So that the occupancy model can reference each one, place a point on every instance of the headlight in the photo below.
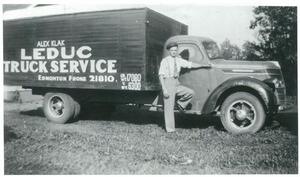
(278, 83)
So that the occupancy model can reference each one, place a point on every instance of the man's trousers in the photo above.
(174, 90)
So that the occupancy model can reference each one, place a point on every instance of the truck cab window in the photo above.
(190, 52)
(212, 49)
(185, 54)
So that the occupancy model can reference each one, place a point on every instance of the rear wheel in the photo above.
(59, 107)
(242, 112)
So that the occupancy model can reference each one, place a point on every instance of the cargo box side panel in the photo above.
(159, 29)
(99, 50)
(20, 39)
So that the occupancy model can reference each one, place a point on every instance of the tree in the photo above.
(250, 51)
(230, 51)
(277, 36)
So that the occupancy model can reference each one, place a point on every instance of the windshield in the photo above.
(212, 49)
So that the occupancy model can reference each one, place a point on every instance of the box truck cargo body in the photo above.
(109, 50)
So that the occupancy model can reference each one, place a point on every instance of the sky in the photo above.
(215, 22)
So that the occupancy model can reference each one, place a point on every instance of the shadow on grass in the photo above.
(35, 112)
(9, 134)
(288, 120)
(134, 115)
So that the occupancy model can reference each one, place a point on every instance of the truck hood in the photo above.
(245, 65)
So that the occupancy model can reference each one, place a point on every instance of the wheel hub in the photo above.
(59, 105)
(56, 106)
(241, 114)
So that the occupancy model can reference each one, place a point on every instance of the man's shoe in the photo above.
(170, 131)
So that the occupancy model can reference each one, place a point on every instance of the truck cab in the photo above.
(242, 93)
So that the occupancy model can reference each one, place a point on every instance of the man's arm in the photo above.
(162, 82)
(196, 65)
(162, 73)
(189, 64)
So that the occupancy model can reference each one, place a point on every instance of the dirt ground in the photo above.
(133, 141)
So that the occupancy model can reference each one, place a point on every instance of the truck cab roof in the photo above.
(183, 38)
(198, 40)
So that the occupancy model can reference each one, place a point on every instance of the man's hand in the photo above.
(166, 94)
(206, 66)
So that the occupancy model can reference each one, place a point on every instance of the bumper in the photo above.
(284, 103)
(284, 107)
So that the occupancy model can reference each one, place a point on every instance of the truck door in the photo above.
(196, 79)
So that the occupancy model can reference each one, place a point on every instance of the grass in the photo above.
(133, 141)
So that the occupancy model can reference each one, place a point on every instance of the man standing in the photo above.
(169, 70)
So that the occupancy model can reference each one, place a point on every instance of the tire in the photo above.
(59, 107)
(242, 112)
(76, 110)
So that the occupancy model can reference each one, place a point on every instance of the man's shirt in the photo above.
(167, 66)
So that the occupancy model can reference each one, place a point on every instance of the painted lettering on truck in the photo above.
(53, 57)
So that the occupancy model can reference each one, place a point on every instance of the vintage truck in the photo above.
(113, 57)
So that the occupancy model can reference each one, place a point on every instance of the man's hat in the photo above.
(172, 44)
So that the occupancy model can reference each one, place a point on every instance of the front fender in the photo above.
(254, 86)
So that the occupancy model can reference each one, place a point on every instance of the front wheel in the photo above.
(242, 112)
(59, 107)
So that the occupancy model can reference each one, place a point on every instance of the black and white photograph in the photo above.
(140, 88)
